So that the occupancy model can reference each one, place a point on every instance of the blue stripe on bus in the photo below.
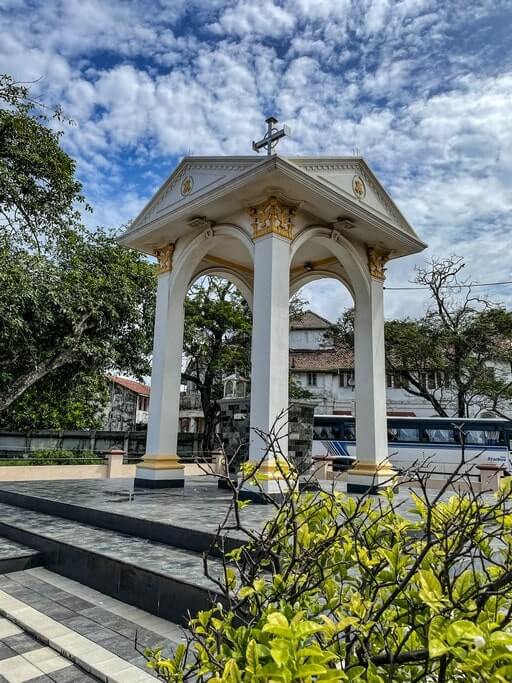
(421, 445)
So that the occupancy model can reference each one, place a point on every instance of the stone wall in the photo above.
(121, 414)
(14, 444)
(235, 429)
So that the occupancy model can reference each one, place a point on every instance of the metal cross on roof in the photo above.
(272, 136)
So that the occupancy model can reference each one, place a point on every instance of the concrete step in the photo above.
(184, 518)
(79, 626)
(15, 557)
(166, 581)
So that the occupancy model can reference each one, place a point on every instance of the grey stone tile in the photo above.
(72, 674)
(6, 651)
(21, 643)
(122, 647)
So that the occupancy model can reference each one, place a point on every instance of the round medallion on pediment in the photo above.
(187, 184)
(358, 187)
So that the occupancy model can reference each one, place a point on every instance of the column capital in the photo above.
(164, 255)
(272, 216)
(376, 262)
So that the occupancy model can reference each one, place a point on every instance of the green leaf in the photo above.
(280, 651)
(462, 630)
(307, 628)
(436, 648)
(277, 624)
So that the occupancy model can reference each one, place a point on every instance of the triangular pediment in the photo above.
(189, 181)
(353, 177)
(336, 190)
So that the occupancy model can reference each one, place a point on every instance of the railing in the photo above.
(22, 457)
(190, 402)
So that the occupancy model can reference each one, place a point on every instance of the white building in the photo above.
(327, 372)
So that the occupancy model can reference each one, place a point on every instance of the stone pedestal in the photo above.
(235, 434)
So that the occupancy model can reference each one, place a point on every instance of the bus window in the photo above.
(484, 437)
(327, 432)
(440, 435)
(350, 431)
(408, 434)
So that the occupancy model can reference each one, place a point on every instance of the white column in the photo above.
(270, 341)
(372, 469)
(160, 467)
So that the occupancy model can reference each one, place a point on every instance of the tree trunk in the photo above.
(461, 404)
(21, 384)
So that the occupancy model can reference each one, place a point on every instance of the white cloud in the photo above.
(428, 108)
(253, 17)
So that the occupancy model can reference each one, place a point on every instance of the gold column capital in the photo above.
(376, 262)
(271, 216)
(164, 255)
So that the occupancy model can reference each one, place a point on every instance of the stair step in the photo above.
(166, 581)
(64, 646)
(86, 613)
(15, 557)
(184, 518)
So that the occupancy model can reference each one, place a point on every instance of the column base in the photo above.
(273, 486)
(369, 477)
(160, 472)
(260, 498)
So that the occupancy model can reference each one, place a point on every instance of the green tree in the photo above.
(39, 194)
(458, 356)
(216, 343)
(61, 400)
(88, 308)
(72, 302)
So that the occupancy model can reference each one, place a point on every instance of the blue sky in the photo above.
(422, 89)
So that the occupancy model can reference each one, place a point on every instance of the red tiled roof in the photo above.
(326, 360)
(131, 384)
(310, 321)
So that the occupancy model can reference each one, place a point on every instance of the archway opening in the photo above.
(322, 346)
(216, 347)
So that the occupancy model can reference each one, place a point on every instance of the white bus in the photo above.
(432, 442)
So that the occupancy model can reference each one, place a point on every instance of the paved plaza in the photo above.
(88, 566)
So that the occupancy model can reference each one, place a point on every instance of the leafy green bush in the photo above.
(54, 456)
(370, 589)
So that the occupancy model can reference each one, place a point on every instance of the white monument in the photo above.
(270, 225)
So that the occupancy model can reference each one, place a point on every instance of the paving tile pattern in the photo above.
(98, 624)
(24, 659)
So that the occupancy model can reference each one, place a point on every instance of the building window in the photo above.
(433, 379)
(143, 403)
(347, 378)
(311, 379)
(396, 380)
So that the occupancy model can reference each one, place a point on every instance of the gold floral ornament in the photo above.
(376, 263)
(186, 185)
(358, 187)
(164, 256)
(272, 217)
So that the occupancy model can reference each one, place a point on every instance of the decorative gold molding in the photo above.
(164, 256)
(161, 462)
(233, 265)
(272, 217)
(371, 469)
(376, 262)
(314, 265)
